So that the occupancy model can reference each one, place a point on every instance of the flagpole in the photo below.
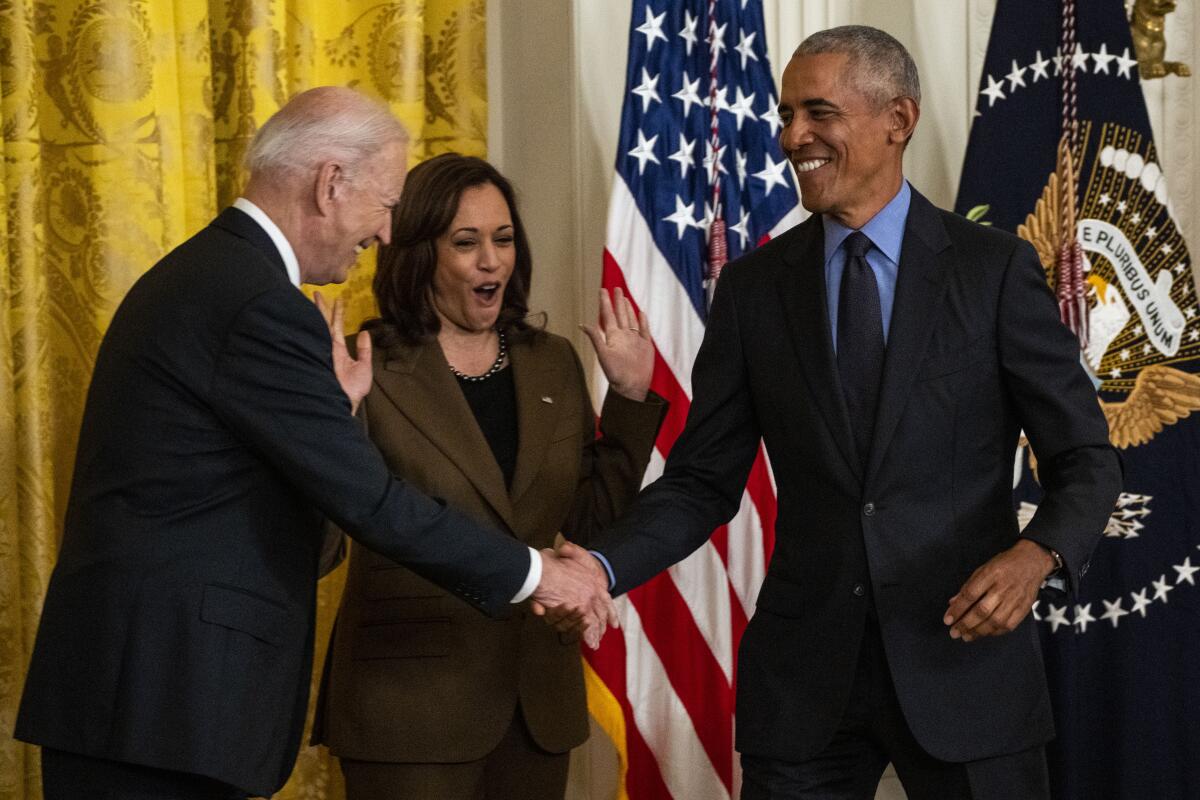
(717, 250)
(1072, 301)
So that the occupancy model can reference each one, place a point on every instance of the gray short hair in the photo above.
(328, 123)
(881, 67)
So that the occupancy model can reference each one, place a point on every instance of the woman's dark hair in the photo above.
(404, 271)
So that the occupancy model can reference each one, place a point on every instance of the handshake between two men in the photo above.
(573, 593)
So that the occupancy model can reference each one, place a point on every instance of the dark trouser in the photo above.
(70, 776)
(874, 732)
(516, 770)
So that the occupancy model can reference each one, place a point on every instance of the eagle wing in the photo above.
(1043, 228)
(1161, 396)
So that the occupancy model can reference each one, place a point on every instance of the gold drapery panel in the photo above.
(123, 124)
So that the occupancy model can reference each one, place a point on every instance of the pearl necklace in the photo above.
(492, 370)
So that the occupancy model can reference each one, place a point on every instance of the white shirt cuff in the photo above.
(532, 579)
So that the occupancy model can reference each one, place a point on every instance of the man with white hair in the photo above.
(174, 653)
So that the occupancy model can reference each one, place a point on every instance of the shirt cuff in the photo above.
(1056, 582)
(532, 579)
(612, 579)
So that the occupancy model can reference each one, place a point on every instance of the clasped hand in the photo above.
(573, 593)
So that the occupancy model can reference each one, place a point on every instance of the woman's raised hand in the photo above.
(623, 345)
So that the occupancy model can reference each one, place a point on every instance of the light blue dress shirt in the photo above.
(886, 232)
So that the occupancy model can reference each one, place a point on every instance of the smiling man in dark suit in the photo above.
(175, 646)
(889, 354)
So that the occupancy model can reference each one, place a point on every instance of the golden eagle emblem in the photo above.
(1122, 353)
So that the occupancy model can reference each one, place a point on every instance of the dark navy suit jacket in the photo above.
(976, 353)
(178, 626)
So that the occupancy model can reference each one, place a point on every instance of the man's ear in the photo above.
(904, 113)
(328, 186)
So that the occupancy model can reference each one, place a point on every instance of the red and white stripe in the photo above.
(671, 666)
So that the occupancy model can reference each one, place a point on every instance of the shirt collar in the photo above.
(885, 229)
(281, 243)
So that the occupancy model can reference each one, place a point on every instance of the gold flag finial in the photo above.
(1146, 25)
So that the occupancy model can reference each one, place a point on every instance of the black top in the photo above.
(494, 403)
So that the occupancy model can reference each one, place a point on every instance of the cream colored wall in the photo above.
(556, 72)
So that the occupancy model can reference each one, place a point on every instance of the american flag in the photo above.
(698, 161)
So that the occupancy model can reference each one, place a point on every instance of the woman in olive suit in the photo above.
(423, 697)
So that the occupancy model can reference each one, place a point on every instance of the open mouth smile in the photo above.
(487, 291)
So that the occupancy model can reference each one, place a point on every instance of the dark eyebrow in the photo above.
(476, 230)
(819, 101)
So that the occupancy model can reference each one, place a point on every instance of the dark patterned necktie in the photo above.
(860, 345)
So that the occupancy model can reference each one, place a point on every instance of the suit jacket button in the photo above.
(869, 509)
(859, 590)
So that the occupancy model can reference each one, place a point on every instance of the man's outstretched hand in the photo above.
(573, 593)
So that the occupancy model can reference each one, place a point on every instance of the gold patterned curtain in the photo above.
(124, 123)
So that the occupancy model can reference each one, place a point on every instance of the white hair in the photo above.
(328, 123)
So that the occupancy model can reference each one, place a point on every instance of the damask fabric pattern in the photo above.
(124, 123)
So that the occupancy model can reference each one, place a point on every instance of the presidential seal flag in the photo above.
(1061, 152)
(699, 180)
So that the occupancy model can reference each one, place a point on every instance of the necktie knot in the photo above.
(857, 245)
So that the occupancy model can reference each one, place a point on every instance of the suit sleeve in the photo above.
(705, 475)
(333, 549)
(1056, 404)
(274, 386)
(612, 464)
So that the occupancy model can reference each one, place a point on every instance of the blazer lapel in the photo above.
(540, 403)
(417, 382)
(802, 291)
(920, 285)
